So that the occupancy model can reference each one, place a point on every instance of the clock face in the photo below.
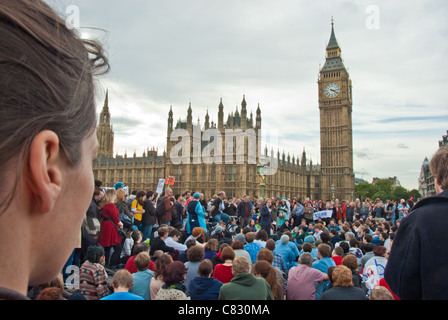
(331, 90)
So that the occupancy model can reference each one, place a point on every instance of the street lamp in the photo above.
(332, 191)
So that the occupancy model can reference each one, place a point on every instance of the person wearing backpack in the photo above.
(164, 206)
(149, 216)
(137, 208)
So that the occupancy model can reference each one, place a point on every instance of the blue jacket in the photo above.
(200, 216)
(202, 288)
(253, 249)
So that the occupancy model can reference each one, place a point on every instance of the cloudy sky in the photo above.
(173, 52)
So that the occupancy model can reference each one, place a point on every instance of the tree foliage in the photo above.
(384, 190)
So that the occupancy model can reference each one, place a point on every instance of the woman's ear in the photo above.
(44, 170)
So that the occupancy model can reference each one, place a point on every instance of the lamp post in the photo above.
(332, 192)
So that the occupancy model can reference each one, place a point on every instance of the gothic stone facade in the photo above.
(294, 176)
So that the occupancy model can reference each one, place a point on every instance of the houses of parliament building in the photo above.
(333, 178)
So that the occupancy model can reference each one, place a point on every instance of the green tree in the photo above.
(365, 190)
(400, 193)
(384, 185)
(414, 194)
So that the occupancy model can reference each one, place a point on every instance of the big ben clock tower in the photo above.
(336, 141)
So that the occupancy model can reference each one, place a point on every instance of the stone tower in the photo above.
(105, 133)
(335, 106)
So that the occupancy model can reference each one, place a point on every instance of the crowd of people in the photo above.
(184, 247)
(159, 247)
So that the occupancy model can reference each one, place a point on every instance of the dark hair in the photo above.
(46, 83)
(94, 254)
(174, 273)
(149, 194)
(205, 268)
(195, 253)
(379, 251)
(237, 245)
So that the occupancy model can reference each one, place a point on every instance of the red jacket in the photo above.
(108, 233)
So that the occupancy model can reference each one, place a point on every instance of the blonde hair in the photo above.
(108, 197)
(342, 277)
(123, 278)
(121, 194)
(240, 265)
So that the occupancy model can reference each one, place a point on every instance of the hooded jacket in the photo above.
(417, 266)
(202, 288)
(245, 286)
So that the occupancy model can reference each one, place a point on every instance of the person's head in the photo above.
(265, 270)
(262, 235)
(140, 247)
(212, 244)
(110, 196)
(150, 195)
(205, 268)
(306, 259)
(140, 196)
(439, 168)
(122, 280)
(227, 253)
(350, 262)
(163, 232)
(51, 293)
(48, 138)
(240, 265)
(161, 263)
(168, 192)
(236, 244)
(270, 244)
(380, 293)
(338, 251)
(174, 273)
(342, 277)
(121, 195)
(95, 254)
(175, 234)
(324, 250)
(266, 255)
(195, 253)
(380, 251)
(198, 233)
(97, 194)
(250, 237)
(141, 261)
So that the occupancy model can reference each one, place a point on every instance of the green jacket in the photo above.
(246, 286)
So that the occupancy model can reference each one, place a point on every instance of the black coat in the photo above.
(149, 217)
(417, 266)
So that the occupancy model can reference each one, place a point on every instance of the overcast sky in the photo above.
(174, 52)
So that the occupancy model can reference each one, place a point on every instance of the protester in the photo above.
(195, 255)
(157, 281)
(142, 278)
(122, 283)
(416, 267)
(343, 288)
(204, 286)
(302, 279)
(244, 285)
(223, 272)
(109, 237)
(266, 271)
(173, 287)
(93, 276)
(149, 216)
